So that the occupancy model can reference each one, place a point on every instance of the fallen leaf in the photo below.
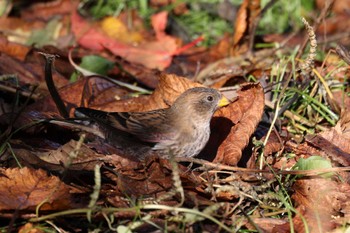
(13, 49)
(153, 54)
(151, 177)
(47, 10)
(343, 126)
(142, 74)
(85, 159)
(26, 188)
(322, 200)
(246, 18)
(244, 114)
(116, 29)
(265, 224)
(341, 99)
(241, 23)
(330, 149)
(335, 142)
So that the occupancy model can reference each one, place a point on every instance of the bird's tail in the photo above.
(96, 115)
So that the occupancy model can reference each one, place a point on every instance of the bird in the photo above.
(182, 130)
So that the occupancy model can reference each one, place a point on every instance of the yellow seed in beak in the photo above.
(223, 102)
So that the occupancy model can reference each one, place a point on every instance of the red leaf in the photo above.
(154, 54)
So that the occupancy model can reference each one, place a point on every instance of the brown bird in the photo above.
(180, 131)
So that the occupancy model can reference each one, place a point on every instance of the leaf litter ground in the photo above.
(247, 177)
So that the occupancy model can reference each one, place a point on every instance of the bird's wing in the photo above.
(149, 126)
(152, 126)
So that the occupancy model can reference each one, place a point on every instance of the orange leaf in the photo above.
(245, 114)
(26, 188)
(241, 23)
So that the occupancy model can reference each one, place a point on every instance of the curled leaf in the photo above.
(243, 115)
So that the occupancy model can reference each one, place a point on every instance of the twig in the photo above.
(217, 166)
(24, 93)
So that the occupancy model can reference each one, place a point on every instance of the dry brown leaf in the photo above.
(322, 200)
(45, 11)
(58, 159)
(273, 144)
(266, 224)
(12, 49)
(247, 17)
(86, 159)
(343, 126)
(151, 179)
(340, 99)
(28, 73)
(148, 178)
(142, 74)
(8, 65)
(93, 92)
(245, 114)
(336, 141)
(329, 148)
(26, 188)
(241, 23)
(98, 91)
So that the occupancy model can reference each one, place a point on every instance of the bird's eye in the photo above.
(210, 98)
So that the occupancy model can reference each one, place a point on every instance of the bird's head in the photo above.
(199, 101)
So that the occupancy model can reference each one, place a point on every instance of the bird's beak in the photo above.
(223, 102)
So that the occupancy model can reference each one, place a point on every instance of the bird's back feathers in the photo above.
(147, 126)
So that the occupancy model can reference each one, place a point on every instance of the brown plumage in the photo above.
(181, 130)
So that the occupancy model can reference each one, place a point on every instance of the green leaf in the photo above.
(46, 35)
(96, 64)
(314, 163)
